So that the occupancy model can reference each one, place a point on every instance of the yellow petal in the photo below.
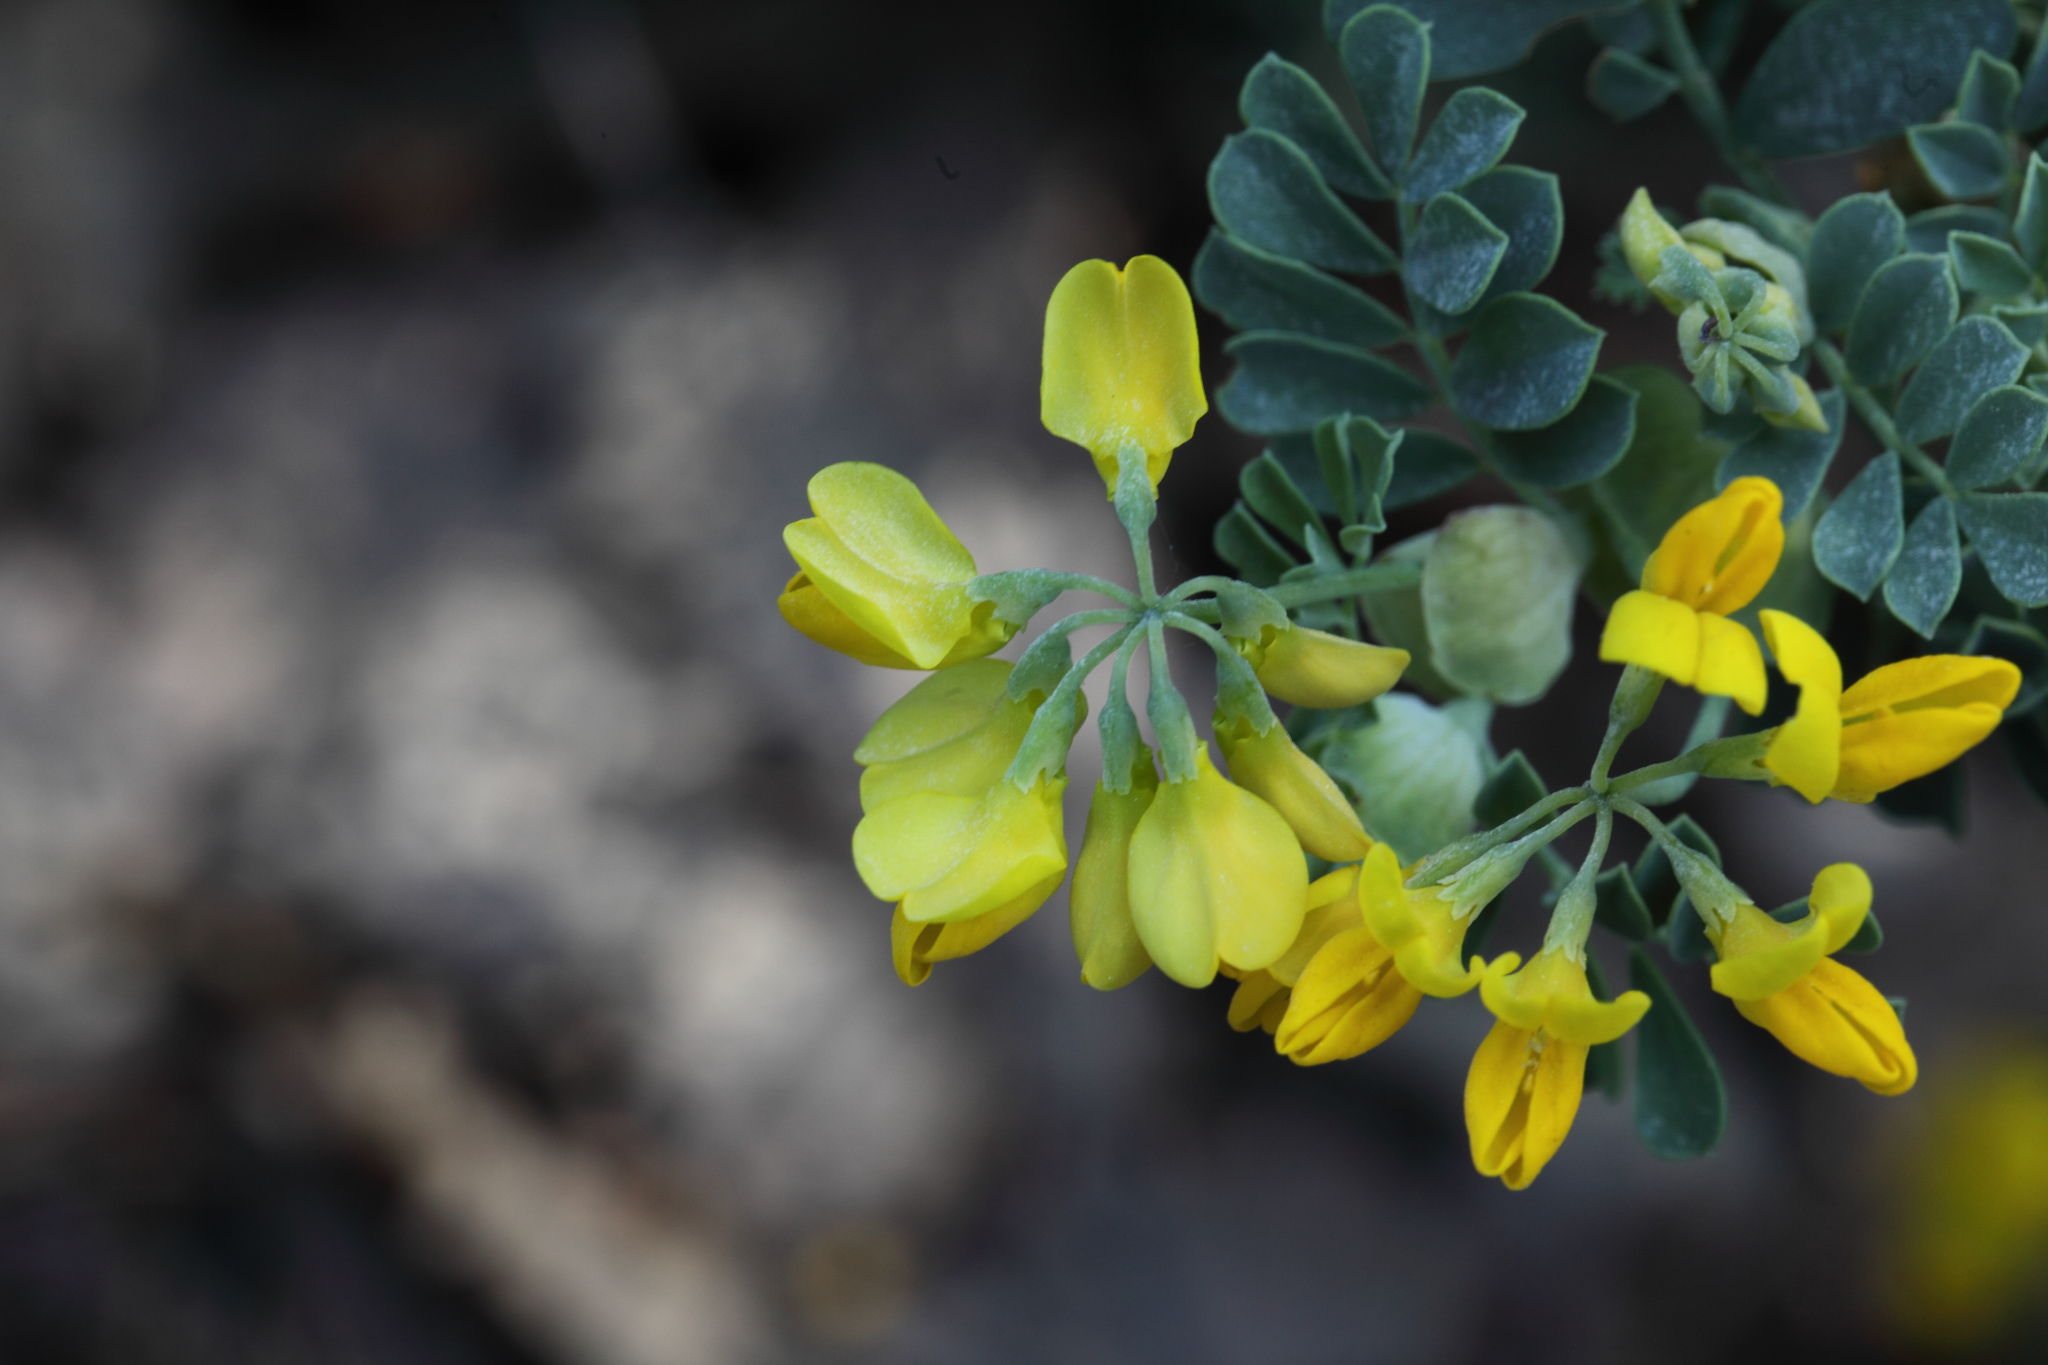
(1760, 957)
(1933, 681)
(1840, 898)
(1731, 665)
(812, 613)
(1099, 905)
(1834, 1019)
(1881, 752)
(955, 732)
(1121, 363)
(1644, 236)
(1315, 668)
(1521, 1096)
(1551, 993)
(1806, 751)
(948, 857)
(1349, 1000)
(1720, 554)
(1271, 767)
(1655, 633)
(1332, 908)
(1215, 876)
(915, 947)
(1807, 416)
(1259, 1001)
(1417, 926)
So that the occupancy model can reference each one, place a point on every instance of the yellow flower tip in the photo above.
(1105, 938)
(914, 947)
(1909, 718)
(1521, 1096)
(1216, 875)
(1348, 1000)
(1834, 1019)
(1700, 650)
(1121, 363)
(1718, 556)
(1259, 1002)
(1271, 767)
(1552, 993)
(882, 577)
(1805, 753)
(1644, 236)
(1807, 416)
(1420, 928)
(947, 857)
(1318, 669)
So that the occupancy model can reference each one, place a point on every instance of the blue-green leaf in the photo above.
(1909, 305)
(2031, 109)
(1512, 787)
(1964, 160)
(1681, 1105)
(1256, 291)
(1453, 255)
(1282, 98)
(1290, 383)
(1990, 89)
(1623, 86)
(1852, 239)
(1428, 464)
(1793, 458)
(1922, 584)
(1268, 491)
(2030, 224)
(1474, 37)
(1265, 190)
(1578, 448)
(2001, 434)
(1931, 230)
(1249, 548)
(1977, 356)
(1619, 907)
(1525, 363)
(1525, 204)
(1986, 265)
(1844, 73)
(1471, 134)
(2010, 534)
(1858, 537)
(1385, 53)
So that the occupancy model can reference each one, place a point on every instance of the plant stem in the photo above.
(1877, 418)
(1450, 858)
(1702, 95)
(1301, 592)
(1572, 923)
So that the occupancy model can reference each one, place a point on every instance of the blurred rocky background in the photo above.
(426, 930)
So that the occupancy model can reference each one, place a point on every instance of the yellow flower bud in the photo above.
(954, 732)
(883, 579)
(1216, 876)
(1644, 237)
(1348, 1000)
(1121, 363)
(1105, 939)
(915, 947)
(1807, 416)
(946, 857)
(1315, 668)
(1271, 767)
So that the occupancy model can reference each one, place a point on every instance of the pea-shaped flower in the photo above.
(1896, 723)
(1105, 938)
(1523, 1090)
(1121, 364)
(1216, 877)
(1783, 978)
(1315, 668)
(1347, 999)
(1423, 928)
(1262, 996)
(1713, 561)
(882, 578)
(1272, 767)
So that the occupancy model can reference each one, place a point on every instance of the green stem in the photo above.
(1168, 710)
(1634, 695)
(1712, 894)
(1451, 857)
(1571, 924)
(1237, 685)
(1118, 724)
(1301, 592)
(1702, 95)
(1877, 418)
(1088, 582)
(1692, 761)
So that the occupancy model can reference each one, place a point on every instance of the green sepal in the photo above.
(1686, 278)
(1265, 190)
(1469, 136)
(1859, 535)
(1988, 266)
(1794, 458)
(1512, 787)
(1976, 356)
(1386, 55)
(1623, 86)
(1681, 1107)
(1855, 237)
(1018, 594)
(2009, 531)
(1908, 306)
(1618, 906)
(1652, 871)
(1289, 383)
(1453, 254)
(2022, 645)
(1257, 291)
(1923, 583)
(1525, 363)
(1577, 448)
(1999, 439)
(1964, 160)
(1282, 98)
(1040, 667)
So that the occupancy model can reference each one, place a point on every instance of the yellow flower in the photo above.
(915, 947)
(1216, 876)
(1424, 929)
(1523, 1090)
(955, 732)
(1121, 365)
(1271, 767)
(1260, 1000)
(945, 857)
(1898, 722)
(1315, 668)
(1099, 904)
(1712, 562)
(1781, 978)
(1348, 998)
(881, 578)
(1644, 237)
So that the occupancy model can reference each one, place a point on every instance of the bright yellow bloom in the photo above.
(946, 857)
(1424, 929)
(1898, 722)
(1348, 998)
(1315, 668)
(1260, 1000)
(1712, 562)
(1523, 1090)
(1121, 363)
(882, 578)
(1099, 903)
(1216, 876)
(955, 732)
(1644, 237)
(1781, 978)
(1271, 767)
